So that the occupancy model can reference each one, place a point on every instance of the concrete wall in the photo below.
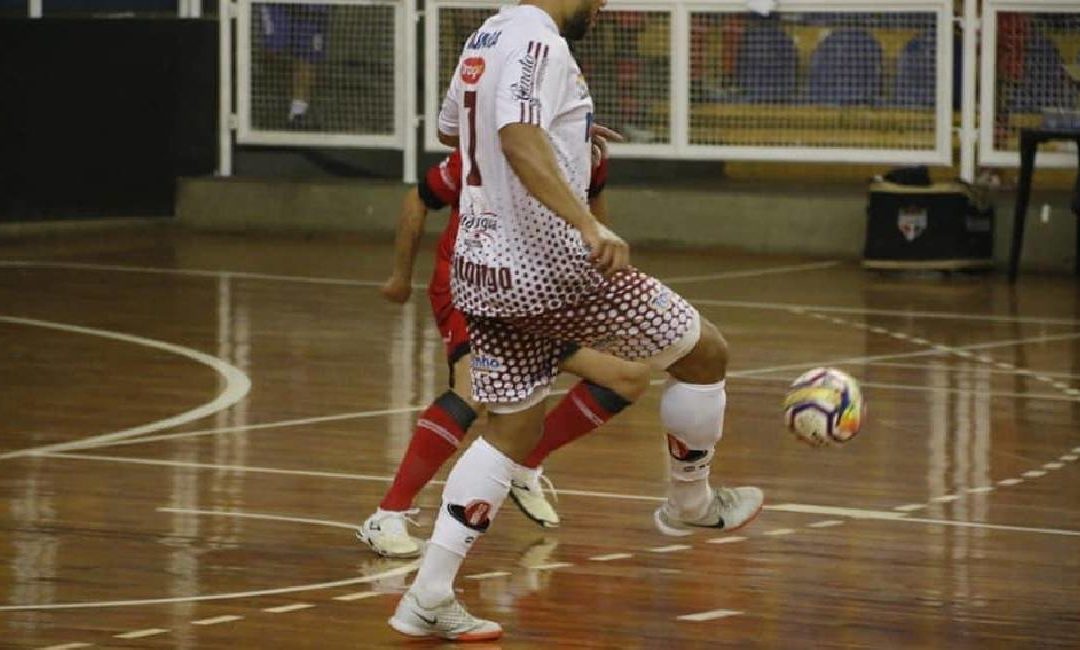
(822, 220)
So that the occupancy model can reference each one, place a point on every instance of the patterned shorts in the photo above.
(633, 316)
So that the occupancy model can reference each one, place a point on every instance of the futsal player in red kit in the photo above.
(441, 428)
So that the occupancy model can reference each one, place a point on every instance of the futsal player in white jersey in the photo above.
(541, 280)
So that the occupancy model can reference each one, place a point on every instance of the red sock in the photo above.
(583, 409)
(438, 433)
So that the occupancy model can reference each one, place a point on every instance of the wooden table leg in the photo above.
(1028, 146)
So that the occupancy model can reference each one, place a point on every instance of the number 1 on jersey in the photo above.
(473, 177)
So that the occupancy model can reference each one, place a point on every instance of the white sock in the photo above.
(693, 415)
(476, 488)
(435, 579)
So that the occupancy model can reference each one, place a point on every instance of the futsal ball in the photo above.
(824, 407)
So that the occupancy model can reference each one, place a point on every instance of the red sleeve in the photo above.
(442, 183)
(599, 178)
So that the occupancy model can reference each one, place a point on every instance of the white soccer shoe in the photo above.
(730, 509)
(446, 620)
(527, 493)
(387, 533)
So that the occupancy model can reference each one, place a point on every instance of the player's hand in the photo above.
(608, 252)
(396, 289)
(609, 135)
(600, 135)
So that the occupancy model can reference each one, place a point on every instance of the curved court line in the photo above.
(751, 373)
(402, 570)
(237, 386)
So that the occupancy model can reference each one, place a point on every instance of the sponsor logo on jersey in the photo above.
(533, 66)
(472, 69)
(490, 278)
(661, 301)
(582, 87)
(486, 364)
(483, 40)
(476, 229)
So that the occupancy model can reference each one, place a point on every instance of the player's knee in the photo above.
(631, 380)
(707, 362)
(461, 408)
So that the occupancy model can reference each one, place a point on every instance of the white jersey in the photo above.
(513, 256)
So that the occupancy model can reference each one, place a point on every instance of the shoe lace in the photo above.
(547, 483)
(401, 517)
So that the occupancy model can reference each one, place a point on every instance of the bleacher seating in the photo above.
(1045, 83)
(767, 65)
(916, 72)
(846, 68)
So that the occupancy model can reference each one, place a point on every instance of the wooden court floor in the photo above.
(191, 426)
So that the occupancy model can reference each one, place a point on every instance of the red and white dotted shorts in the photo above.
(633, 316)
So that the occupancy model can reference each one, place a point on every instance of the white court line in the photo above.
(141, 634)
(803, 508)
(201, 273)
(910, 507)
(828, 523)
(708, 616)
(853, 513)
(237, 385)
(779, 532)
(217, 620)
(1034, 473)
(898, 313)
(285, 609)
(281, 424)
(229, 468)
(1010, 481)
(726, 540)
(749, 273)
(358, 595)
(916, 388)
(256, 515)
(488, 575)
(550, 566)
(945, 498)
(938, 350)
(984, 526)
(611, 556)
(745, 374)
(67, 646)
(375, 577)
(981, 489)
(670, 548)
(244, 275)
(1005, 369)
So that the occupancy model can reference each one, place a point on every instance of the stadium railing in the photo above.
(814, 81)
(1030, 77)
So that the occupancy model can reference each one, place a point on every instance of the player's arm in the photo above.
(598, 180)
(530, 155)
(410, 227)
(598, 206)
(448, 116)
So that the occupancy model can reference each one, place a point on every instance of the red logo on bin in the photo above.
(472, 69)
